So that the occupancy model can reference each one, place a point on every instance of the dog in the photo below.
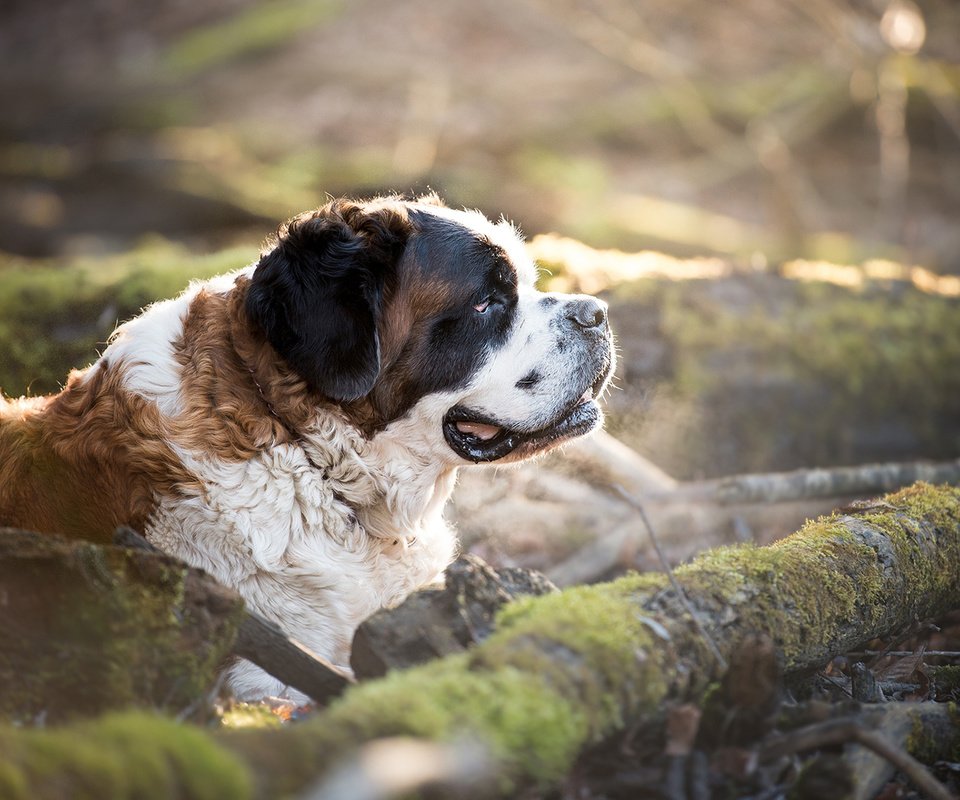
(295, 427)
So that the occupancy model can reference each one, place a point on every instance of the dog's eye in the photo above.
(481, 308)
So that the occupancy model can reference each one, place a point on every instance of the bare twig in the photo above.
(902, 653)
(779, 487)
(681, 595)
(840, 731)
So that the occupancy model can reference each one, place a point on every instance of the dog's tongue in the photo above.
(478, 429)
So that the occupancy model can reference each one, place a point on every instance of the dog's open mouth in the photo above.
(478, 438)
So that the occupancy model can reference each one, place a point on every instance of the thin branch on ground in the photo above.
(681, 595)
(840, 731)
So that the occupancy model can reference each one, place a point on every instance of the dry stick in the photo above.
(841, 731)
(611, 462)
(614, 462)
(802, 484)
(681, 595)
(265, 644)
(901, 653)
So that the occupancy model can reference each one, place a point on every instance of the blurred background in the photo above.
(794, 166)
(756, 129)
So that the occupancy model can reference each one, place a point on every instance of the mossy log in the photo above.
(86, 628)
(441, 620)
(561, 671)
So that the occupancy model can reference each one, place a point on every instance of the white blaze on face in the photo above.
(543, 368)
(541, 371)
(528, 382)
(504, 234)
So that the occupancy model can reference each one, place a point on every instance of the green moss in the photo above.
(827, 575)
(55, 316)
(932, 740)
(587, 642)
(910, 519)
(940, 505)
(566, 669)
(250, 715)
(820, 577)
(874, 345)
(559, 671)
(121, 756)
(563, 670)
(750, 355)
(13, 783)
(529, 727)
(947, 679)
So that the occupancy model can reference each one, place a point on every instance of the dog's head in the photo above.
(396, 309)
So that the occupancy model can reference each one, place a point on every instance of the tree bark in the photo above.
(564, 670)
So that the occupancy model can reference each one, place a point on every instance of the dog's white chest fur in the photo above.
(315, 535)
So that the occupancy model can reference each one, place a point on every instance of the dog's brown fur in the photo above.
(97, 456)
(86, 460)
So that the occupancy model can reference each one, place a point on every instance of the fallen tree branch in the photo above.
(567, 669)
(608, 461)
(884, 732)
(668, 571)
(804, 484)
(86, 628)
(683, 528)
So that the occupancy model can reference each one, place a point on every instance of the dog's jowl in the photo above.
(295, 427)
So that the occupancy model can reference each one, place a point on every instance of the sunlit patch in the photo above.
(855, 277)
(590, 271)
(903, 28)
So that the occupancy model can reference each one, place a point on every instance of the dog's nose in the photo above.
(587, 312)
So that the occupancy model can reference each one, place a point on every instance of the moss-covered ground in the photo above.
(56, 315)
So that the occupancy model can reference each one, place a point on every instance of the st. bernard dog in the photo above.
(295, 427)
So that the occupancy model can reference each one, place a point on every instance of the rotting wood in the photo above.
(442, 619)
(565, 670)
(86, 628)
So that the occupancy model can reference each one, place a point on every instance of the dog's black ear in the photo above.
(317, 294)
